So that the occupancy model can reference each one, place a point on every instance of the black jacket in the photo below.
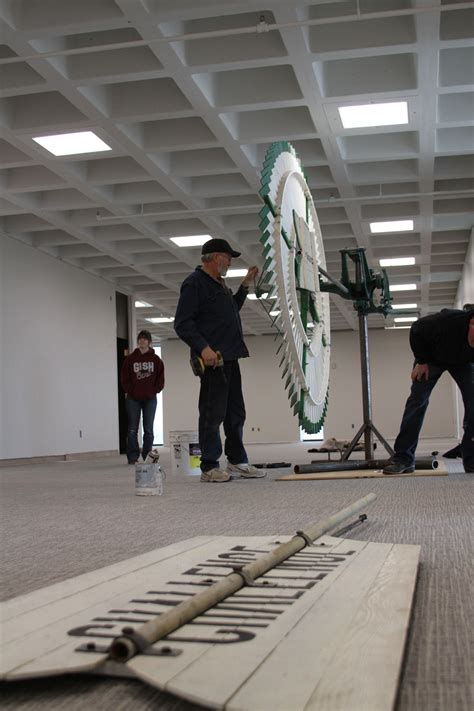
(208, 315)
(441, 338)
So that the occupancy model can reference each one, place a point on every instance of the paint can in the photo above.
(185, 452)
(148, 479)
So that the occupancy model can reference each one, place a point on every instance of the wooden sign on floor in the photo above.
(324, 629)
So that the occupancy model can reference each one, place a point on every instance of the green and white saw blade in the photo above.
(293, 252)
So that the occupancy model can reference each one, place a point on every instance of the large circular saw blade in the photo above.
(293, 252)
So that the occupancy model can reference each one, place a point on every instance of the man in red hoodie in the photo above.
(142, 377)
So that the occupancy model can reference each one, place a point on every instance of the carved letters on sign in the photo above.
(250, 609)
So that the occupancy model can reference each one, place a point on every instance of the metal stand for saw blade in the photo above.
(361, 292)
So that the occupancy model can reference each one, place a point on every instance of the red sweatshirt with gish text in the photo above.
(142, 375)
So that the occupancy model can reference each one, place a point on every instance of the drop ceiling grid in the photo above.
(208, 180)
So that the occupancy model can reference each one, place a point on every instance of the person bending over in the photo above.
(142, 377)
(208, 321)
(440, 342)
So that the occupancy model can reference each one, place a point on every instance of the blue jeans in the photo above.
(134, 409)
(221, 401)
(415, 408)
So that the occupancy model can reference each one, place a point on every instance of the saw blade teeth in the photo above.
(304, 360)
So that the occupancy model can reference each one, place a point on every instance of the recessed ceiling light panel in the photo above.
(161, 319)
(397, 262)
(403, 287)
(391, 226)
(236, 273)
(191, 241)
(364, 115)
(68, 144)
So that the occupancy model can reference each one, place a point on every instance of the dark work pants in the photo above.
(415, 408)
(221, 402)
(134, 409)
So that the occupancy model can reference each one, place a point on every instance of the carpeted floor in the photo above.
(62, 519)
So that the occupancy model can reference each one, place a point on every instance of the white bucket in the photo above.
(148, 480)
(185, 452)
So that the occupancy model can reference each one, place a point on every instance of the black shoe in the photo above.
(398, 468)
(453, 453)
(469, 470)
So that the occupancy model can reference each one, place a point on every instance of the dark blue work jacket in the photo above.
(208, 315)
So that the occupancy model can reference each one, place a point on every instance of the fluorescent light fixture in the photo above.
(142, 304)
(363, 115)
(395, 328)
(236, 273)
(404, 306)
(275, 313)
(397, 262)
(68, 144)
(403, 287)
(191, 241)
(391, 226)
(161, 319)
(405, 319)
(254, 297)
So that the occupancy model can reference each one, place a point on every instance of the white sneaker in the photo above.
(216, 476)
(247, 471)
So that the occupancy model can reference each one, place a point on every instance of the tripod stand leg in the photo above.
(353, 444)
(382, 440)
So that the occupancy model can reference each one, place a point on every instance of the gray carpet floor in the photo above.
(61, 519)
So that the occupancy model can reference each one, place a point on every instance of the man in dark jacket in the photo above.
(142, 377)
(208, 320)
(441, 341)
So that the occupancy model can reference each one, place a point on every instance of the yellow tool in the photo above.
(198, 367)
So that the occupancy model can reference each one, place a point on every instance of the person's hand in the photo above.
(250, 276)
(420, 371)
(209, 356)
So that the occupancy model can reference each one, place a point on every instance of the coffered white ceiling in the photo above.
(190, 93)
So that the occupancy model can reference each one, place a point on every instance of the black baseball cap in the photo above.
(218, 245)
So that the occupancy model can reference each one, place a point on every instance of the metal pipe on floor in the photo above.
(316, 467)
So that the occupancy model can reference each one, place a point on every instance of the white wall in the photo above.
(390, 364)
(58, 364)
(267, 403)
(268, 411)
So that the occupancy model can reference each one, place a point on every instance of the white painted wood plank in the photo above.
(231, 665)
(44, 596)
(302, 658)
(369, 658)
(91, 590)
(30, 637)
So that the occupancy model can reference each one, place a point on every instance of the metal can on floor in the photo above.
(148, 480)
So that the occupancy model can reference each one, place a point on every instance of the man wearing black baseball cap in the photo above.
(208, 320)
